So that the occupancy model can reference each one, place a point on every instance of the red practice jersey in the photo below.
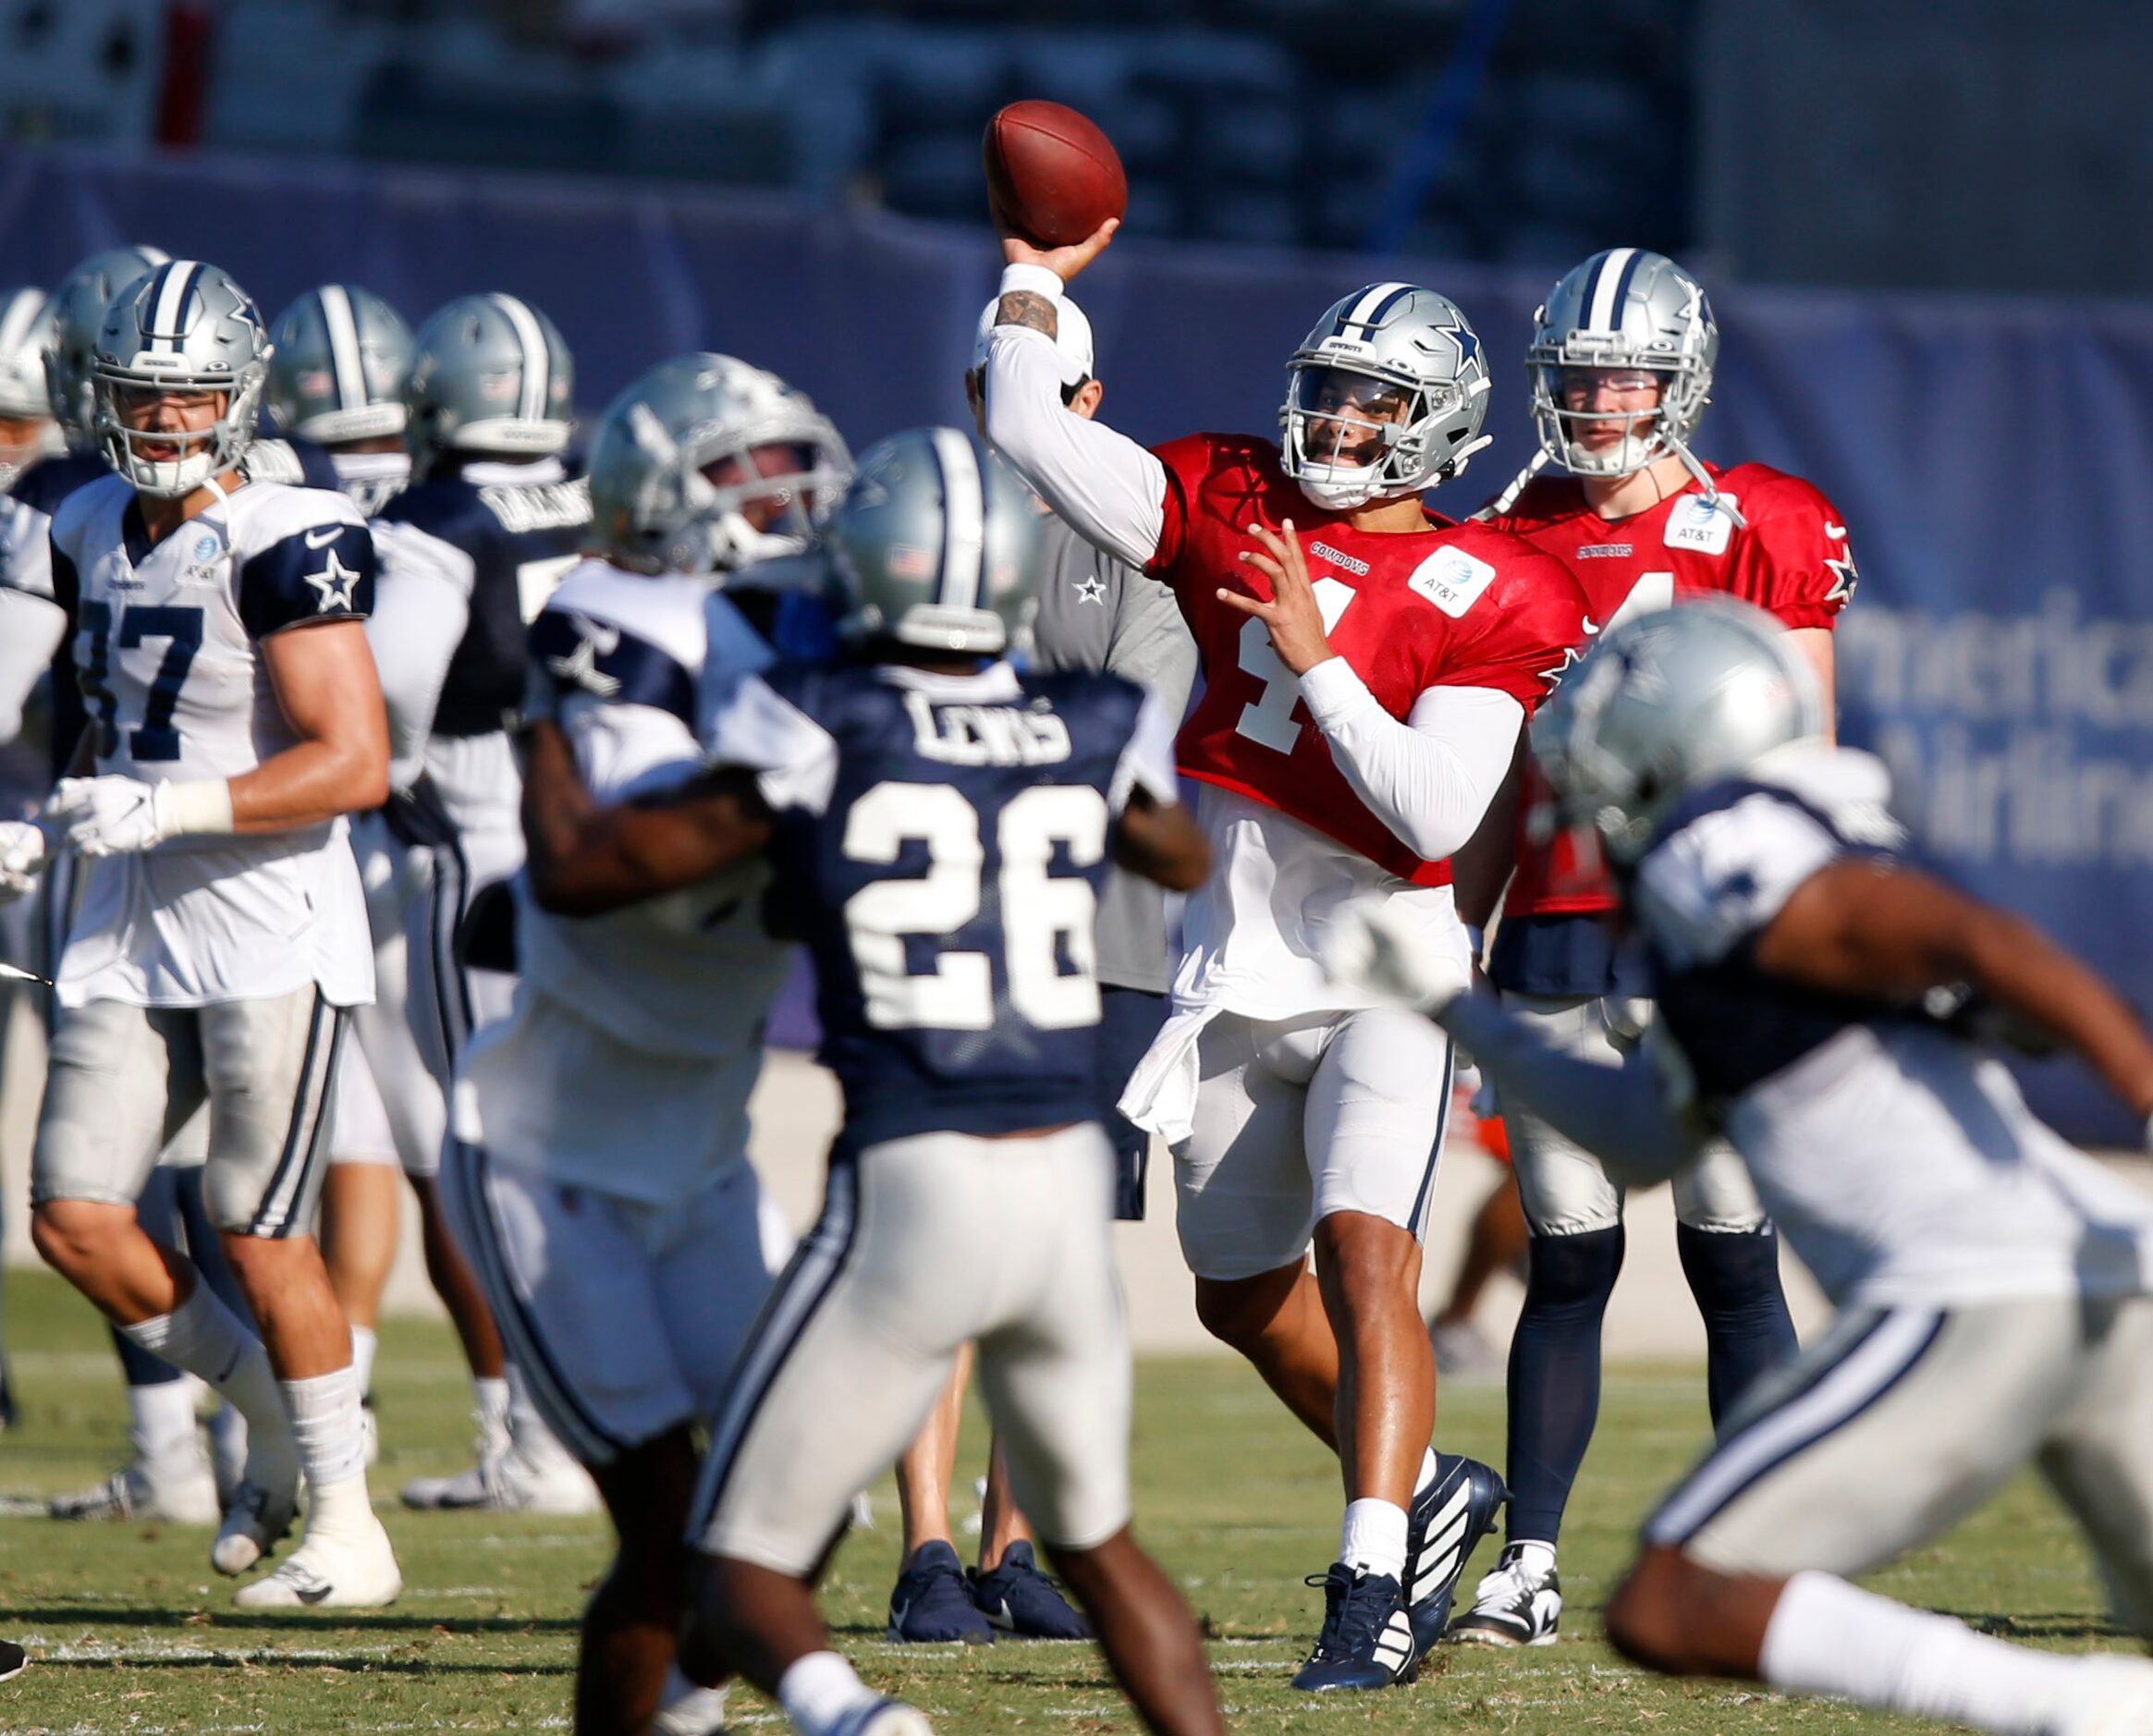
(1789, 558)
(1455, 605)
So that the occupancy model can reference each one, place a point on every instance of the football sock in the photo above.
(324, 1422)
(365, 1341)
(141, 1369)
(687, 1709)
(1373, 1537)
(1554, 1373)
(820, 1688)
(1825, 1636)
(1735, 1278)
(535, 1443)
(491, 1398)
(205, 1338)
(161, 1419)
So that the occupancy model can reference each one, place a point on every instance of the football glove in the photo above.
(22, 853)
(116, 816)
(1395, 954)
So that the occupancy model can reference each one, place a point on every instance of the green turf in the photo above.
(130, 1632)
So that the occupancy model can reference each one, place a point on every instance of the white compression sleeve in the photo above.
(421, 605)
(1620, 1113)
(31, 630)
(1111, 490)
(1429, 778)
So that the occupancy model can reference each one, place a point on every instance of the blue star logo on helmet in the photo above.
(1467, 340)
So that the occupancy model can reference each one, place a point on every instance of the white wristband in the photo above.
(203, 805)
(1023, 280)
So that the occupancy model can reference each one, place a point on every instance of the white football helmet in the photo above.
(26, 326)
(1665, 703)
(489, 375)
(79, 306)
(341, 355)
(1385, 396)
(654, 505)
(185, 327)
(1624, 309)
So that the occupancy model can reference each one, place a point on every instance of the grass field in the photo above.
(130, 1632)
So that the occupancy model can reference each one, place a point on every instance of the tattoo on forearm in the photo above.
(1023, 307)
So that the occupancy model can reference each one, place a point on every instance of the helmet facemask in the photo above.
(202, 452)
(768, 499)
(1657, 431)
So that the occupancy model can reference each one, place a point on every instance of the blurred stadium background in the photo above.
(1922, 224)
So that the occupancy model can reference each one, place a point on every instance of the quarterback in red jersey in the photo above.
(1369, 666)
(1621, 365)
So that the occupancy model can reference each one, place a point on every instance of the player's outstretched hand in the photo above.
(1395, 953)
(111, 815)
(22, 853)
(1065, 262)
(1290, 611)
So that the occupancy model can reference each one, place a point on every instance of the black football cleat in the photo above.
(1450, 1515)
(1367, 1637)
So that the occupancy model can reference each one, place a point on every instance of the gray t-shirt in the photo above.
(1100, 614)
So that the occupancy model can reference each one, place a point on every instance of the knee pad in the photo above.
(1573, 1272)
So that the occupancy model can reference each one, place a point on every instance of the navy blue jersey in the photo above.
(519, 541)
(940, 844)
(1723, 865)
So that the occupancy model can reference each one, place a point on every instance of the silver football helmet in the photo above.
(708, 465)
(186, 328)
(342, 353)
(1666, 702)
(937, 546)
(489, 375)
(1630, 311)
(26, 324)
(1385, 396)
(79, 306)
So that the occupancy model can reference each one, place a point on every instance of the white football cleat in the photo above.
(344, 1569)
(509, 1483)
(257, 1521)
(1519, 1604)
(177, 1489)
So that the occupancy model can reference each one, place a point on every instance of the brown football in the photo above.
(1051, 173)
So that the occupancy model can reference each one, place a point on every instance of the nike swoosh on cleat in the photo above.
(315, 1594)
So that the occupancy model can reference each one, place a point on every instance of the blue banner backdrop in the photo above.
(1991, 456)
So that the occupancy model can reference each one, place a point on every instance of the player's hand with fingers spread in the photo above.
(1396, 953)
(1065, 262)
(1290, 612)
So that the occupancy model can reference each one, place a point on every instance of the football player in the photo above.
(625, 1254)
(1823, 1005)
(44, 379)
(1621, 365)
(1369, 666)
(1100, 614)
(487, 526)
(959, 1010)
(234, 719)
(336, 382)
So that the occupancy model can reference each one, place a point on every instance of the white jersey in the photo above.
(1897, 1156)
(165, 651)
(636, 1036)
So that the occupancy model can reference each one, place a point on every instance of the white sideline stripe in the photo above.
(344, 358)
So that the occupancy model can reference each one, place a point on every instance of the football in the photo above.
(1051, 173)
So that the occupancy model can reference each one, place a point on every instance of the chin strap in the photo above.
(1503, 502)
(1714, 498)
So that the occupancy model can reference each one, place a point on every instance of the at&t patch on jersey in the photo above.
(1698, 523)
(1451, 579)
